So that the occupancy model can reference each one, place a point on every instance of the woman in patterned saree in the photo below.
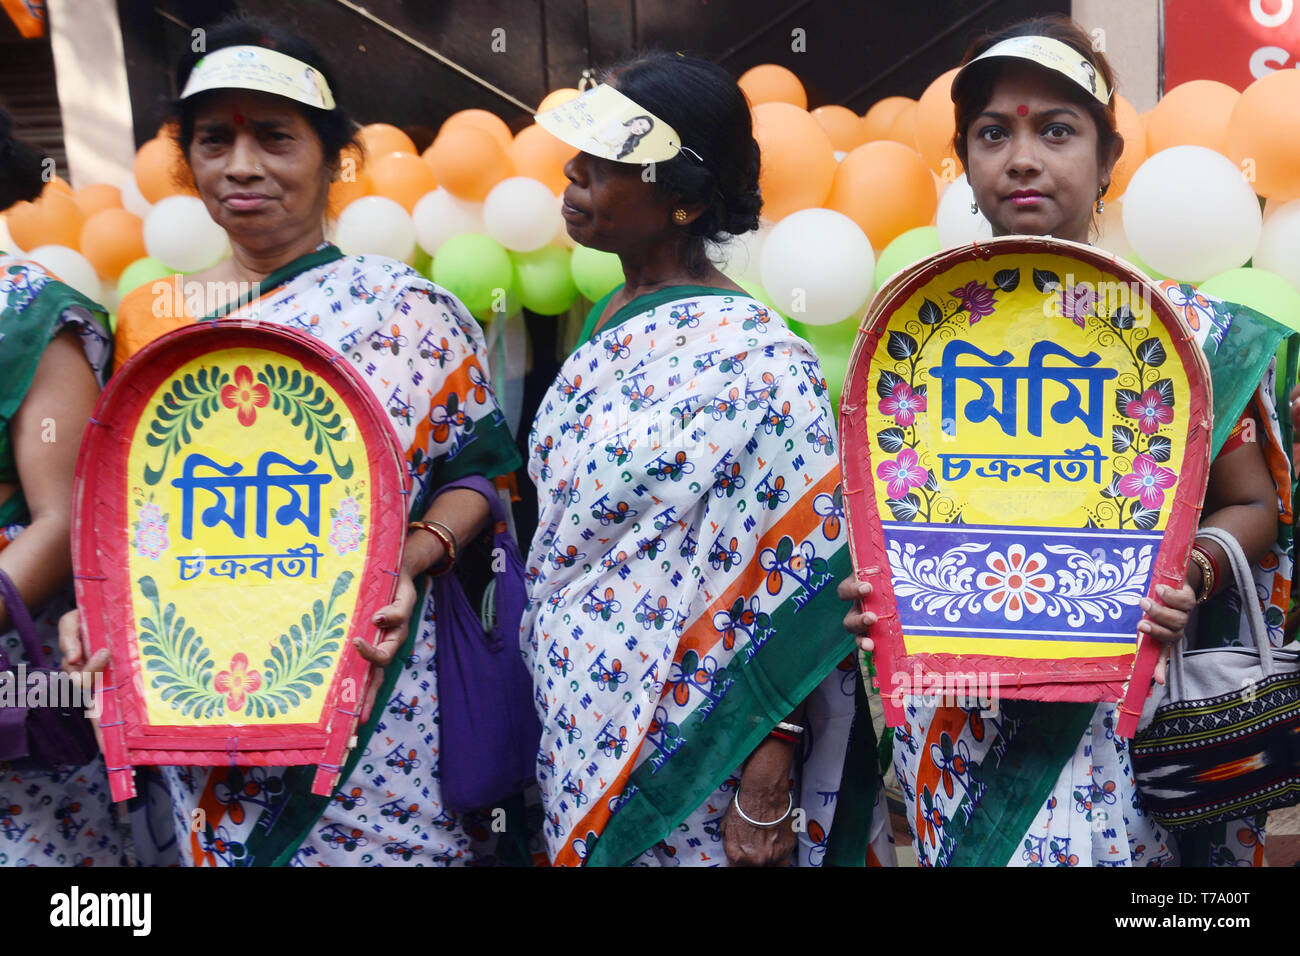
(682, 623)
(54, 346)
(262, 157)
(1036, 132)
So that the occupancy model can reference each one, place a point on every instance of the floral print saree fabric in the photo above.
(46, 818)
(964, 772)
(422, 355)
(682, 581)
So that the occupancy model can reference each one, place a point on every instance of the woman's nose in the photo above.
(244, 159)
(1023, 158)
(575, 168)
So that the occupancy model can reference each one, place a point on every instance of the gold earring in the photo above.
(974, 209)
(1101, 203)
(680, 215)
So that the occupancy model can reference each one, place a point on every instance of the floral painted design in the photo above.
(150, 539)
(1015, 583)
(245, 395)
(346, 531)
(904, 474)
(903, 404)
(237, 682)
(1150, 411)
(1147, 482)
(976, 300)
(1077, 303)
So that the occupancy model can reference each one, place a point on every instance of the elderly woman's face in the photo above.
(259, 167)
(1032, 158)
(609, 206)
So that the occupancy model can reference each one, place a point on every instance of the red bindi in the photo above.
(1022, 109)
(239, 118)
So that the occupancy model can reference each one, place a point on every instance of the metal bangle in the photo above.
(444, 535)
(1207, 573)
(789, 727)
(756, 823)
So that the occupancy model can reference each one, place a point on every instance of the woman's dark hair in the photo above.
(334, 127)
(977, 89)
(21, 166)
(711, 116)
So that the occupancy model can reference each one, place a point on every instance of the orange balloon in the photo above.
(53, 219)
(482, 119)
(161, 171)
(557, 97)
(936, 125)
(57, 184)
(380, 139)
(1195, 113)
(842, 125)
(402, 177)
(903, 128)
(353, 182)
(797, 161)
(112, 239)
(770, 83)
(534, 154)
(886, 188)
(1264, 134)
(468, 162)
(877, 120)
(97, 197)
(1135, 146)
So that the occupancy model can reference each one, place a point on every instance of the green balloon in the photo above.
(544, 281)
(595, 273)
(1260, 289)
(475, 269)
(506, 307)
(140, 272)
(912, 246)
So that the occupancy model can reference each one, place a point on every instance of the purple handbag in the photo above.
(39, 738)
(489, 729)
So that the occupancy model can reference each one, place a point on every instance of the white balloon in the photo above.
(741, 257)
(71, 268)
(439, 215)
(956, 223)
(1111, 236)
(133, 200)
(818, 266)
(180, 234)
(1279, 243)
(520, 214)
(377, 226)
(1190, 215)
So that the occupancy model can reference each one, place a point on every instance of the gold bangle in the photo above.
(1207, 574)
(443, 534)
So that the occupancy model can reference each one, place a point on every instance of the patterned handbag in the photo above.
(1225, 743)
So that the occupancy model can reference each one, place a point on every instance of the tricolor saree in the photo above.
(1046, 784)
(422, 355)
(682, 587)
